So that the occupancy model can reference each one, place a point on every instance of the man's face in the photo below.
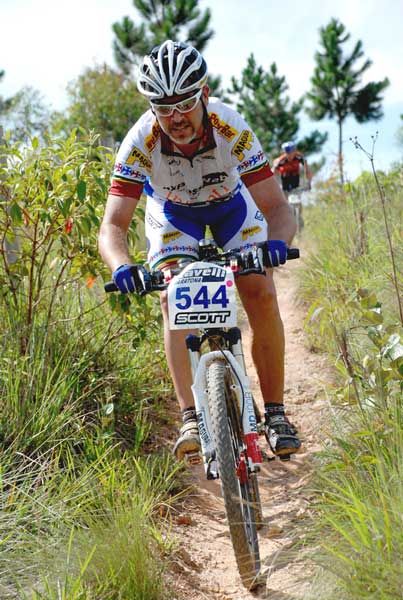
(182, 127)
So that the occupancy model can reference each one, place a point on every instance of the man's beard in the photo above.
(178, 137)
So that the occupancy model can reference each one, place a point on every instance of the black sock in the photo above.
(271, 409)
(189, 414)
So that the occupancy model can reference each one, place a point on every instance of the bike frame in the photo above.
(220, 325)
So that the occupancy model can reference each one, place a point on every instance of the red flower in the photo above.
(68, 226)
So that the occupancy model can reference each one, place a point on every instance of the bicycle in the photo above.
(226, 412)
(294, 199)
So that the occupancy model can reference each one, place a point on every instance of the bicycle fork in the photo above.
(240, 384)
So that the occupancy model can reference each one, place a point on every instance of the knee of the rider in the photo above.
(263, 296)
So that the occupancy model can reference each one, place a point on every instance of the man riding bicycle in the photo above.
(200, 164)
(289, 165)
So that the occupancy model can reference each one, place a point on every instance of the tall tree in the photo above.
(103, 100)
(261, 97)
(336, 83)
(161, 20)
(25, 114)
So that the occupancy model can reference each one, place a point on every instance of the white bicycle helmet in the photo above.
(171, 69)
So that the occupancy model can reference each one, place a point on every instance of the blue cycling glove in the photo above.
(124, 279)
(277, 251)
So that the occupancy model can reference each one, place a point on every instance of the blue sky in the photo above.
(47, 43)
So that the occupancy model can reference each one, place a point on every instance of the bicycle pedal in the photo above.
(193, 458)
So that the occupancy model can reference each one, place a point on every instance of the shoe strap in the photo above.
(278, 420)
(190, 426)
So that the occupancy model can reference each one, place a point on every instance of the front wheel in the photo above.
(236, 485)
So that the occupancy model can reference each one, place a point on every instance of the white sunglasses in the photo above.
(184, 106)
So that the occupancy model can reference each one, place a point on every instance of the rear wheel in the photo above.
(236, 484)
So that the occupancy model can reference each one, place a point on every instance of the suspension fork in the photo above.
(199, 390)
(249, 413)
(243, 393)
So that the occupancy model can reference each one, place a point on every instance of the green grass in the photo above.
(83, 380)
(95, 535)
(79, 506)
(360, 504)
(353, 315)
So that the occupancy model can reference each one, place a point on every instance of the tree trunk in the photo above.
(340, 154)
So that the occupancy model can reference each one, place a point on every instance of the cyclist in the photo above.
(199, 164)
(289, 165)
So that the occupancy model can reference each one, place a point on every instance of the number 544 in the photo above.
(201, 297)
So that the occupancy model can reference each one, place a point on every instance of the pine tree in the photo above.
(261, 99)
(336, 84)
(179, 20)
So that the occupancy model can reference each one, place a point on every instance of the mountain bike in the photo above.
(201, 296)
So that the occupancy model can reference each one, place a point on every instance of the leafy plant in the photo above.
(52, 199)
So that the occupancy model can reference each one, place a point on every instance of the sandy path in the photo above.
(206, 566)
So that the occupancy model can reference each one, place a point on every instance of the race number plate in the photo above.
(203, 295)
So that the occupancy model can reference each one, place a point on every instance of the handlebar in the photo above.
(241, 263)
(292, 253)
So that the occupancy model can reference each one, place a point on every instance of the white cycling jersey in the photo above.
(229, 150)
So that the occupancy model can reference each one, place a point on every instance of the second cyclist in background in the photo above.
(289, 166)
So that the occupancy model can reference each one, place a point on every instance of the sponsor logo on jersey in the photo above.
(249, 231)
(136, 156)
(252, 161)
(152, 138)
(175, 188)
(168, 250)
(214, 178)
(171, 236)
(153, 223)
(222, 127)
(259, 216)
(244, 142)
(124, 170)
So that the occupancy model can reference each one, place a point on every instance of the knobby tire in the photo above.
(238, 498)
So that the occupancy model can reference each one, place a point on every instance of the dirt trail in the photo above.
(206, 566)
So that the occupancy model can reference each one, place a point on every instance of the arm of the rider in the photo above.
(112, 240)
(271, 201)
